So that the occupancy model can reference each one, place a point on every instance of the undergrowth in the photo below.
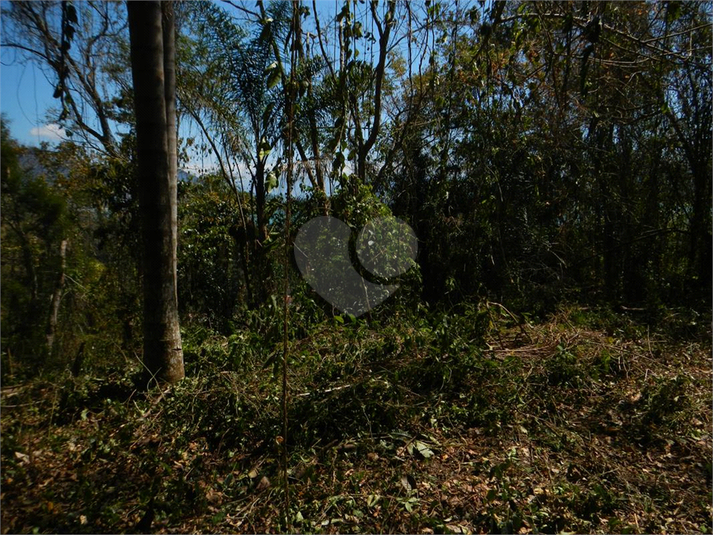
(472, 420)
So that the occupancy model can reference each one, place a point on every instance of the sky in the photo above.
(25, 97)
(26, 100)
(26, 93)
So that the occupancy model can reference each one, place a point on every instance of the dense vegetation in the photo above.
(543, 366)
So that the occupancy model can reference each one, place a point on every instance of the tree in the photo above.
(230, 90)
(153, 69)
(83, 61)
(33, 231)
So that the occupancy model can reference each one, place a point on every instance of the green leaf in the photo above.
(273, 78)
(264, 148)
(267, 113)
(372, 500)
(271, 182)
(423, 449)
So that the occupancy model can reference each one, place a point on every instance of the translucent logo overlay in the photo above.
(386, 247)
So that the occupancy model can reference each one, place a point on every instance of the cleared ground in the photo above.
(463, 422)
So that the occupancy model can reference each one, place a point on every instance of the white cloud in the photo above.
(49, 132)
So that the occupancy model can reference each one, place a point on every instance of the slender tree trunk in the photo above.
(260, 259)
(163, 354)
(169, 65)
(260, 200)
(384, 28)
(56, 298)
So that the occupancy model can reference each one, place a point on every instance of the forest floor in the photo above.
(587, 422)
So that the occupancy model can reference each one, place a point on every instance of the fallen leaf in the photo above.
(408, 482)
(455, 528)
(263, 484)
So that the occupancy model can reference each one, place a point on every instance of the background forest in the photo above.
(543, 366)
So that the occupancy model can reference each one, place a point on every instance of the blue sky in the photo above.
(25, 97)
(26, 93)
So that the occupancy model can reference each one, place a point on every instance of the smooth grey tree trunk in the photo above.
(156, 153)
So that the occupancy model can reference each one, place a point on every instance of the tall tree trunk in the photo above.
(163, 355)
(169, 66)
(56, 298)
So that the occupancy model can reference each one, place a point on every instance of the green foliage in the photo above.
(664, 405)
(212, 263)
(563, 368)
(34, 222)
(419, 415)
(91, 394)
(357, 206)
(65, 194)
